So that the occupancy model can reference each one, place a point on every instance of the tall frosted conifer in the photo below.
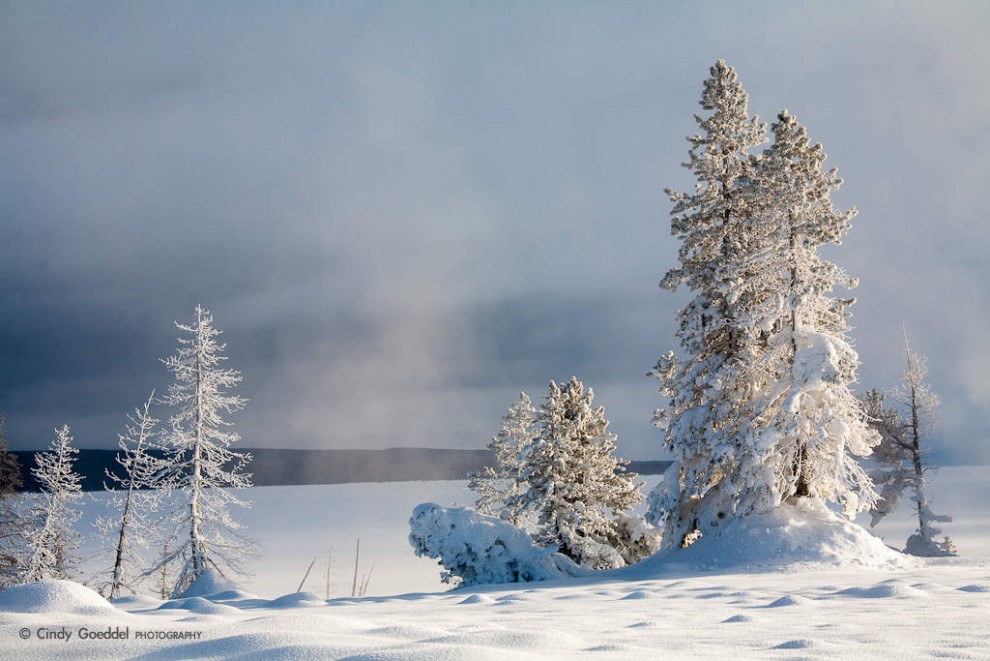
(806, 428)
(704, 384)
(202, 465)
(760, 403)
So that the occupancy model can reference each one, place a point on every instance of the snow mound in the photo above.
(54, 597)
(296, 599)
(789, 600)
(797, 644)
(200, 606)
(885, 590)
(478, 599)
(136, 602)
(805, 534)
(213, 586)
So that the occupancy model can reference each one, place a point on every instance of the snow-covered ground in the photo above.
(711, 605)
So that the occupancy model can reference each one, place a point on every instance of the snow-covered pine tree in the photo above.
(202, 466)
(11, 518)
(136, 496)
(497, 485)
(804, 426)
(898, 460)
(706, 386)
(52, 540)
(578, 489)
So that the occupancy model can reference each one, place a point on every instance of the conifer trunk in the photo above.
(198, 563)
(801, 489)
(919, 485)
(118, 563)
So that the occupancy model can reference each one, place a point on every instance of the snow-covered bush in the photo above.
(640, 540)
(479, 549)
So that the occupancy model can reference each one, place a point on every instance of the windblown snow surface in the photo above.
(799, 583)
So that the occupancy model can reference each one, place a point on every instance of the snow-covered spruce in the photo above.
(760, 406)
(577, 489)
(201, 464)
(898, 460)
(705, 385)
(475, 549)
(805, 428)
(500, 484)
(51, 538)
(130, 531)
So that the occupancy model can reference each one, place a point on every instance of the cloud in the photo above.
(401, 216)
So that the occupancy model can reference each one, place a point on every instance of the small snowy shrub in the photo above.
(479, 549)
(579, 492)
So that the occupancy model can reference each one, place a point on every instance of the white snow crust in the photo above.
(798, 583)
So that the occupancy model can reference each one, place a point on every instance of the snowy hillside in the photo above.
(858, 602)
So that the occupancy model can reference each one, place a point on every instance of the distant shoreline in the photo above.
(285, 467)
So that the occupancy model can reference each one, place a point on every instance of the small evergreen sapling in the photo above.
(498, 486)
(578, 490)
(52, 540)
(899, 462)
(131, 530)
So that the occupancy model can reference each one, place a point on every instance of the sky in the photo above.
(403, 213)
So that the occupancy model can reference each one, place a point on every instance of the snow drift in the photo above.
(53, 596)
(792, 536)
